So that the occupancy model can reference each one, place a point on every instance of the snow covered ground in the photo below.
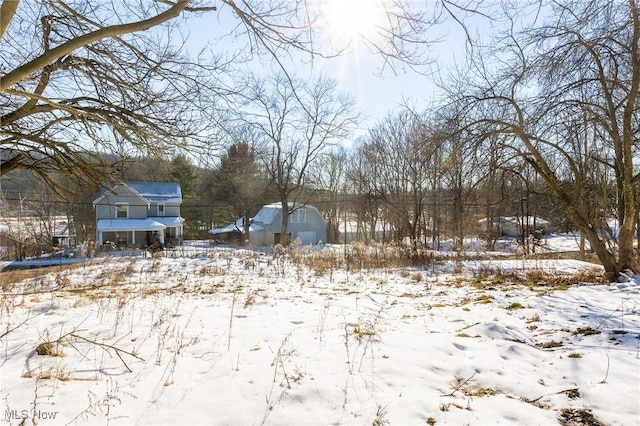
(237, 337)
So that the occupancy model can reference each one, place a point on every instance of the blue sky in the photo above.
(358, 71)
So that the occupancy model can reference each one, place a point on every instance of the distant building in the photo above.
(513, 226)
(139, 214)
(350, 231)
(26, 234)
(306, 224)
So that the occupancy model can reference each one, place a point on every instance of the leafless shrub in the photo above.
(323, 263)
(417, 277)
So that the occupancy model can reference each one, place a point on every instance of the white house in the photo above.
(512, 226)
(352, 230)
(139, 214)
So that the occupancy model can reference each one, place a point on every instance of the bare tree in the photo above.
(296, 124)
(399, 32)
(397, 151)
(568, 97)
(80, 79)
(459, 166)
(364, 205)
(329, 180)
(90, 81)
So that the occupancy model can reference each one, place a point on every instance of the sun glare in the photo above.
(352, 21)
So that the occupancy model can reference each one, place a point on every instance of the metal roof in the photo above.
(152, 192)
(129, 225)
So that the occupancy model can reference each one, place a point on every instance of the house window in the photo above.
(161, 209)
(122, 210)
(121, 238)
(299, 216)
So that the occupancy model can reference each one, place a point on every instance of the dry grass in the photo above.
(366, 330)
(561, 281)
(586, 331)
(480, 392)
(51, 373)
(49, 349)
(546, 281)
(15, 276)
(549, 345)
(514, 306)
(358, 256)
(534, 318)
(578, 417)
(484, 298)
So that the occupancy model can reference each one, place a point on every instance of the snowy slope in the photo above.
(237, 337)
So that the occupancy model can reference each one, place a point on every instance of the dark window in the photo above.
(122, 210)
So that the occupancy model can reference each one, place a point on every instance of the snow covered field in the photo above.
(236, 337)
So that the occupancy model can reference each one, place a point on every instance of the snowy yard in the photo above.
(237, 337)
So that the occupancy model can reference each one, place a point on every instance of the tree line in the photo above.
(540, 118)
(400, 182)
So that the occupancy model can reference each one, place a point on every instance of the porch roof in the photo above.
(168, 220)
(130, 225)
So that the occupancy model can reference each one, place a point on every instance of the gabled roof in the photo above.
(150, 192)
(158, 192)
(267, 213)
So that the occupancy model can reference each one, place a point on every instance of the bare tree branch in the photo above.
(52, 55)
(7, 11)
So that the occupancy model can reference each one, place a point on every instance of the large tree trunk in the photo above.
(284, 233)
(609, 261)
